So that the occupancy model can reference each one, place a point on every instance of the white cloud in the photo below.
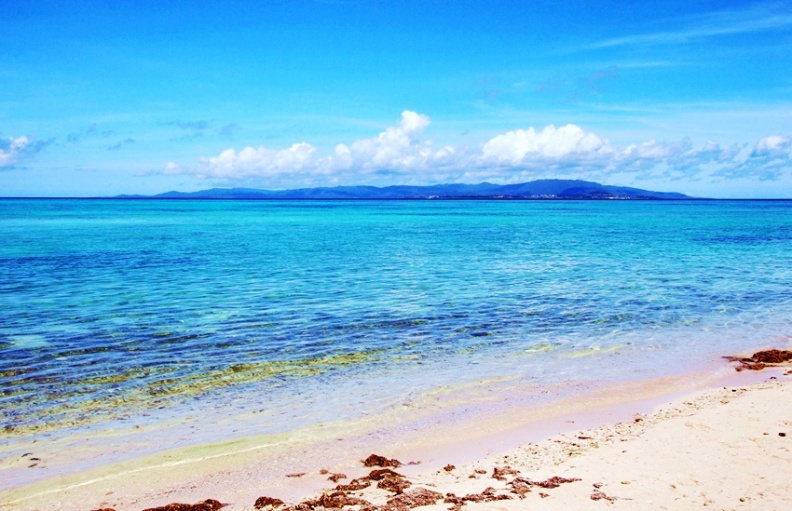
(11, 149)
(401, 155)
(396, 148)
(518, 146)
(250, 162)
(772, 144)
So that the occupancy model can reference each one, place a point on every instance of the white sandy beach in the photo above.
(726, 447)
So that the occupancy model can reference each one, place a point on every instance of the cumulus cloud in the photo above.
(401, 154)
(398, 148)
(14, 149)
(769, 159)
(250, 161)
(773, 144)
(521, 146)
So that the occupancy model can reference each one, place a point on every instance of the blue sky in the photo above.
(104, 98)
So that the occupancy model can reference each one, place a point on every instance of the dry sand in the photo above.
(721, 448)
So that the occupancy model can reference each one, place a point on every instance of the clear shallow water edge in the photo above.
(117, 314)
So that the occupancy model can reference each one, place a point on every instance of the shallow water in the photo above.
(287, 313)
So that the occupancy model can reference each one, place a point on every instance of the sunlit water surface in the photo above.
(132, 311)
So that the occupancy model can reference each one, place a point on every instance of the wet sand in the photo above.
(678, 443)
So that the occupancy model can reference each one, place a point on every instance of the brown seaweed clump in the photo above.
(395, 484)
(553, 482)
(487, 495)
(376, 475)
(772, 356)
(415, 498)
(207, 505)
(761, 359)
(600, 495)
(500, 473)
(267, 502)
(333, 500)
(375, 460)
(355, 484)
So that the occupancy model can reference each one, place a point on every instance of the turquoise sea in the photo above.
(117, 313)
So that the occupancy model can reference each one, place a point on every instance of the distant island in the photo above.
(537, 190)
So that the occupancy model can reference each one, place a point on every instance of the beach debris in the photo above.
(334, 500)
(340, 499)
(394, 483)
(500, 473)
(267, 503)
(600, 495)
(488, 495)
(451, 498)
(388, 480)
(336, 477)
(297, 474)
(519, 487)
(415, 498)
(376, 475)
(355, 484)
(750, 366)
(553, 482)
(375, 460)
(207, 505)
(772, 356)
(449, 468)
(761, 359)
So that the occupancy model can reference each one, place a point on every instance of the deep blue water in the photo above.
(113, 308)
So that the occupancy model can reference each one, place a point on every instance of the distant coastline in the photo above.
(545, 189)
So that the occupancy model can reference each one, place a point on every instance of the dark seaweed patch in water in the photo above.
(98, 390)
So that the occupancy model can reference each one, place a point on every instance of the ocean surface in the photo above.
(120, 313)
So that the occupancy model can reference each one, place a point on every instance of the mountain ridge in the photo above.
(539, 189)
